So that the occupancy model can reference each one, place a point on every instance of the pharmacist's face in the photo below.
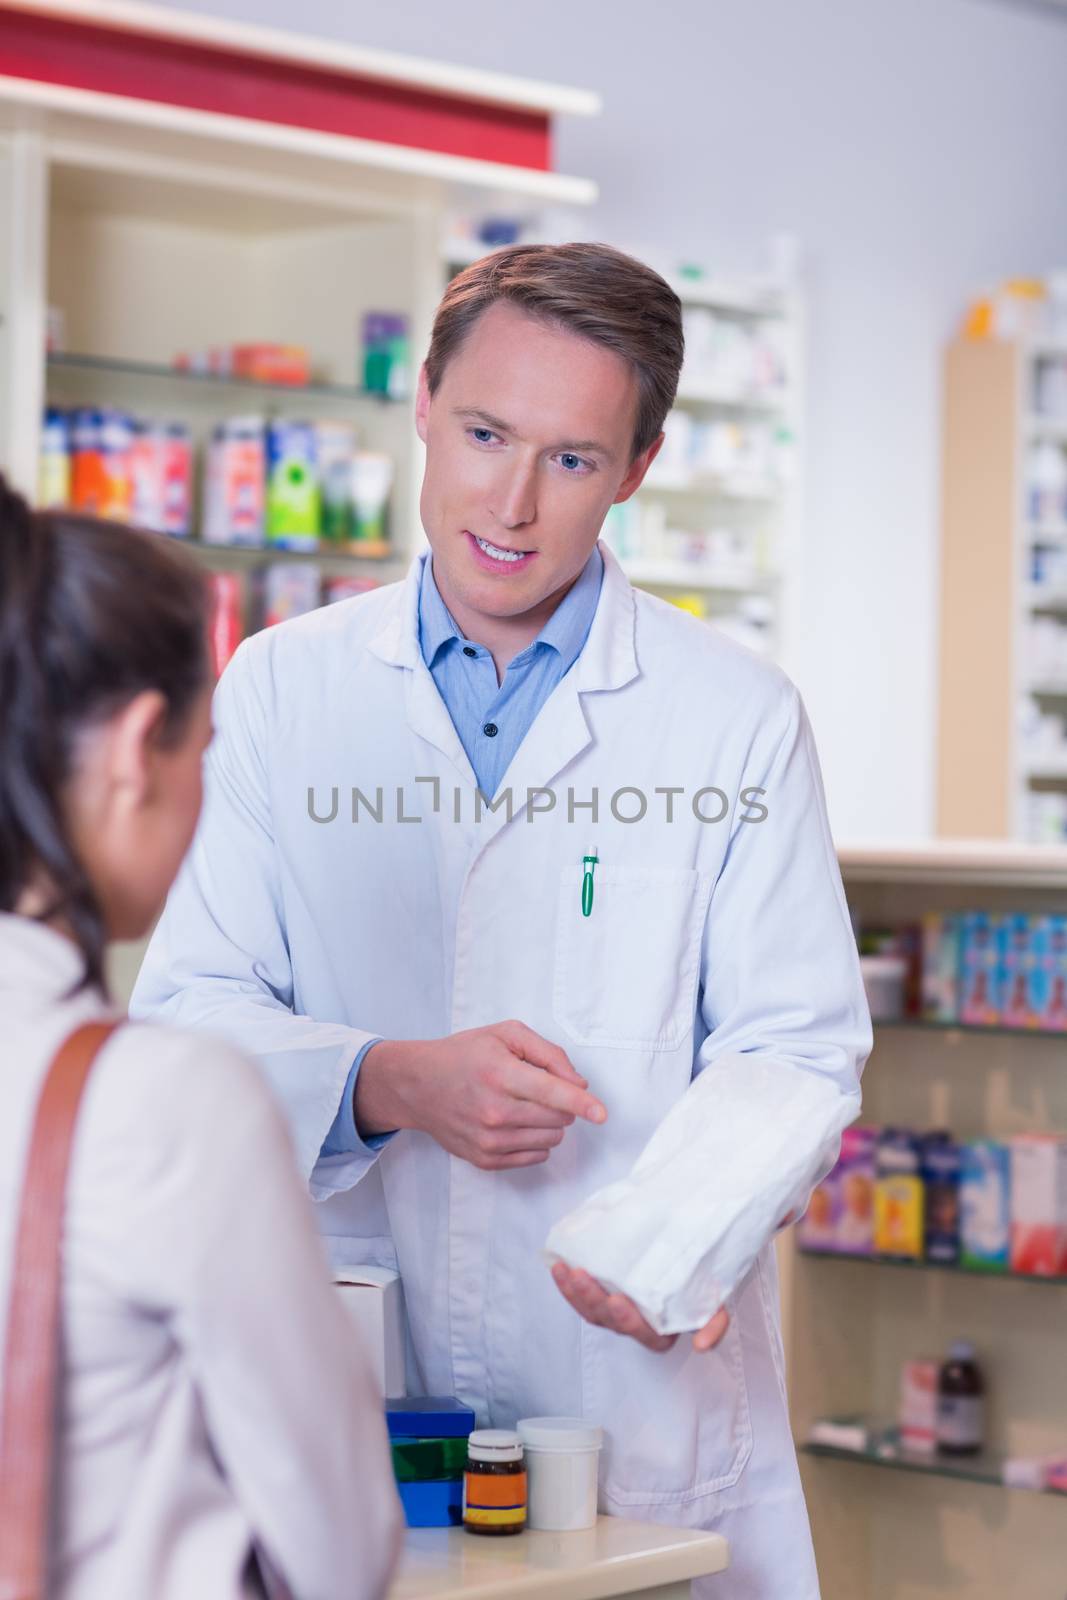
(528, 443)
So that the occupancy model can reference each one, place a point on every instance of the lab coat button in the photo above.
(490, 730)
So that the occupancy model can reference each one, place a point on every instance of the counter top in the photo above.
(616, 1557)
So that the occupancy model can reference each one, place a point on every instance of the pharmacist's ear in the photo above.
(637, 469)
(422, 405)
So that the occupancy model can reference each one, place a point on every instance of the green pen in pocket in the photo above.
(588, 864)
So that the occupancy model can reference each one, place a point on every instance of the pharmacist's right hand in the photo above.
(498, 1097)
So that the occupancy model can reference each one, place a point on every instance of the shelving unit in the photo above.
(169, 224)
(885, 1450)
(729, 540)
(993, 544)
(851, 1323)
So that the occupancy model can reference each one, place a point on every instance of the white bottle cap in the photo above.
(560, 1434)
(494, 1444)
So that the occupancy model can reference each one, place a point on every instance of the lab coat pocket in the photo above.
(677, 1424)
(625, 976)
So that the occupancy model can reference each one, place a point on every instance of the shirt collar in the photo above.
(565, 631)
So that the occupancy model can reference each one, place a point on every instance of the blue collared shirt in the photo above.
(491, 719)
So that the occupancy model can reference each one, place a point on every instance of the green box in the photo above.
(428, 1460)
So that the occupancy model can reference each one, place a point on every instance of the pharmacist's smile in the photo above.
(498, 559)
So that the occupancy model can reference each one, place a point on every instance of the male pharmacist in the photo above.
(405, 796)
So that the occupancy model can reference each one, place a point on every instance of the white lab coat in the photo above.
(299, 938)
(212, 1393)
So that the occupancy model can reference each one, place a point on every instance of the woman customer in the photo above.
(217, 1428)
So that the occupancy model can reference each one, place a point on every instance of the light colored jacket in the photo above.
(212, 1394)
(389, 906)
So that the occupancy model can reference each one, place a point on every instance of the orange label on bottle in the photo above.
(504, 1490)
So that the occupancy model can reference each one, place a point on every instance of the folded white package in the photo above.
(743, 1147)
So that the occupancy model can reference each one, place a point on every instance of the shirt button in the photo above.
(467, 651)
(490, 730)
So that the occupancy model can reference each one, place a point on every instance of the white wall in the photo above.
(916, 148)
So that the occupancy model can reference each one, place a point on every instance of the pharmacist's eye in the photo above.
(483, 435)
(574, 465)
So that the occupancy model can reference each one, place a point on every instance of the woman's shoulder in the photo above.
(172, 1085)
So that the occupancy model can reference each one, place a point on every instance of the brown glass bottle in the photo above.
(960, 1403)
(494, 1485)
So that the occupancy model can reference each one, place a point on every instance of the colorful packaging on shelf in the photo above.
(146, 475)
(292, 486)
(817, 1228)
(290, 589)
(53, 466)
(854, 1232)
(234, 483)
(1039, 1204)
(116, 441)
(985, 1205)
(386, 354)
(917, 1419)
(287, 364)
(1021, 971)
(1052, 1017)
(335, 447)
(371, 486)
(227, 625)
(177, 473)
(87, 462)
(941, 1162)
(980, 973)
(940, 966)
(898, 1196)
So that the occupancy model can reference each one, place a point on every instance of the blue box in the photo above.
(428, 1418)
(433, 1504)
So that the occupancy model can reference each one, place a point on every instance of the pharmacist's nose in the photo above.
(514, 501)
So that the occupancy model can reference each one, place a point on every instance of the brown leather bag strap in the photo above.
(31, 1352)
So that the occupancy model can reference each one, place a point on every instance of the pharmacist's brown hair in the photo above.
(91, 614)
(591, 290)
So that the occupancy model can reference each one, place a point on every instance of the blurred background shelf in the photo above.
(885, 1450)
(956, 1269)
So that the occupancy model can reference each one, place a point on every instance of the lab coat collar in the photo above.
(607, 661)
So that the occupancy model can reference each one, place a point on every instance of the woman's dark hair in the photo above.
(91, 614)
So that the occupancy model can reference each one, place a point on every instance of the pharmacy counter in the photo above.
(614, 1558)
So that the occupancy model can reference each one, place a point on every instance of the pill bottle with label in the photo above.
(960, 1403)
(494, 1485)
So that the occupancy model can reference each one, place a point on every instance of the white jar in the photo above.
(562, 1462)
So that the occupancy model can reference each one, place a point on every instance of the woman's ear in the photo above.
(135, 746)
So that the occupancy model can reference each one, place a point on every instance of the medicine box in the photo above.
(432, 1505)
(1020, 971)
(940, 966)
(1052, 1015)
(1039, 1204)
(980, 969)
(373, 1299)
(985, 1205)
(918, 1405)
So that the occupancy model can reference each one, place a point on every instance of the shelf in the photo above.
(1047, 532)
(722, 488)
(1038, 599)
(996, 864)
(957, 1270)
(921, 1025)
(679, 575)
(1045, 772)
(243, 555)
(697, 391)
(112, 366)
(722, 296)
(885, 1450)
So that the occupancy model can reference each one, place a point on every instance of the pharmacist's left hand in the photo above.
(619, 1314)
